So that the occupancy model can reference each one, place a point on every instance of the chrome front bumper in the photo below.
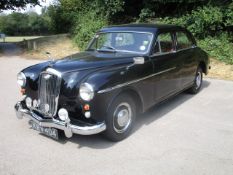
(68, 128)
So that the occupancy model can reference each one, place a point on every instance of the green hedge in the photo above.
(218, 47)
(203, 22)
(88, 24)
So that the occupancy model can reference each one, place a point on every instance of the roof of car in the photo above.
(141, 27)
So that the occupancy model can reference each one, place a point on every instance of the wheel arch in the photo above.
(203, 66)
(134, 95)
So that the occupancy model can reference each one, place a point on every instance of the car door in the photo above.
(167, 68)
(185, 51)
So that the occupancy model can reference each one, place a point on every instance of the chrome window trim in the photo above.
(192, 47)
(175, 51)
(133, 81)
(129, 31)
(164, 53)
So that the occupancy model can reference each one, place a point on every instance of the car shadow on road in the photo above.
(153, 114)
(161, 109)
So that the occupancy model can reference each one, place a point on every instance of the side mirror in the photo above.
(136, 60)
(139, 60)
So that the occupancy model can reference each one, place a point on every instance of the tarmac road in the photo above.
(10, 49)
(187, 135)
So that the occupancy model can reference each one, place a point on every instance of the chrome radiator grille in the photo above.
(49, 89)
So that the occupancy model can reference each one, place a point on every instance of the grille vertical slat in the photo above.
(49, 89)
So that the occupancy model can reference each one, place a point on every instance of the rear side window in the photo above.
(183, 41)
(164, 43)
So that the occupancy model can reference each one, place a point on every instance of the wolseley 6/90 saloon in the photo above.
(124, 71)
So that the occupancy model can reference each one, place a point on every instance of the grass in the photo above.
(13, 39)
(220, 70)
(59, 48)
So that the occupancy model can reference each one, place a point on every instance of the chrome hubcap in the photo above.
(122, 117)
(198, 80)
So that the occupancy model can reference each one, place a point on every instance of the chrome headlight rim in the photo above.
(86, 92)
(21, 79)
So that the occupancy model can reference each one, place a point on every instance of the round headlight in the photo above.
(86, 91)
(21, 79)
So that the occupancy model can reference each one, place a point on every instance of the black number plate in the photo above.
(51, 132)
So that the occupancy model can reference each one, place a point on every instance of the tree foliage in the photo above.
(208, 20)
(14, 4)
(203, 22)
(202, 17)
(19, 24)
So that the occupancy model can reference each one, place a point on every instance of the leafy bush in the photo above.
(88, 25)
(228, 15)
(218, 47)
(209, 25)
(203, 22)
(145, 14)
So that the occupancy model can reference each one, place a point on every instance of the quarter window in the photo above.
(183, 42)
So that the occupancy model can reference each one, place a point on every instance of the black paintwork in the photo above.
(108, 69)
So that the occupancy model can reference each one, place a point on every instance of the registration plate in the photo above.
(51, 132)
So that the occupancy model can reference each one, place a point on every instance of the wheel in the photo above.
(120, 118)
(197, 82)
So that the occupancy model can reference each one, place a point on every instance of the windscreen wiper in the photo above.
(108, 49)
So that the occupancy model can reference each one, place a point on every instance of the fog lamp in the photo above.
(87, 114)
(35, 103)
(63, 114)
(46, 107)
(29, 102)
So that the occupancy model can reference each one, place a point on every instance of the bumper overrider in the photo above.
(68, 128)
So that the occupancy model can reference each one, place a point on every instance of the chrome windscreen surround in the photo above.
(48, 92)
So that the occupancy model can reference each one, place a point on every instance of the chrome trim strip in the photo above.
(163, 53)
(133, 81)
(124, 31)
(188, 48)
(53, 71)
(68, 128)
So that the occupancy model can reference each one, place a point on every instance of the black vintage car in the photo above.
(124, 71)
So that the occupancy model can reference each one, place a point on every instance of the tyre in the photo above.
(120, 118)
(197, 82)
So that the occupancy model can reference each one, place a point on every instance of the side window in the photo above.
(183, 41)
(164, 43)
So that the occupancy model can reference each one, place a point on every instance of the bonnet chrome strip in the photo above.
(133, 81)
(53, 71)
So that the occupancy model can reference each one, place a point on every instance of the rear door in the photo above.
(167, 68)
(185, 51)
